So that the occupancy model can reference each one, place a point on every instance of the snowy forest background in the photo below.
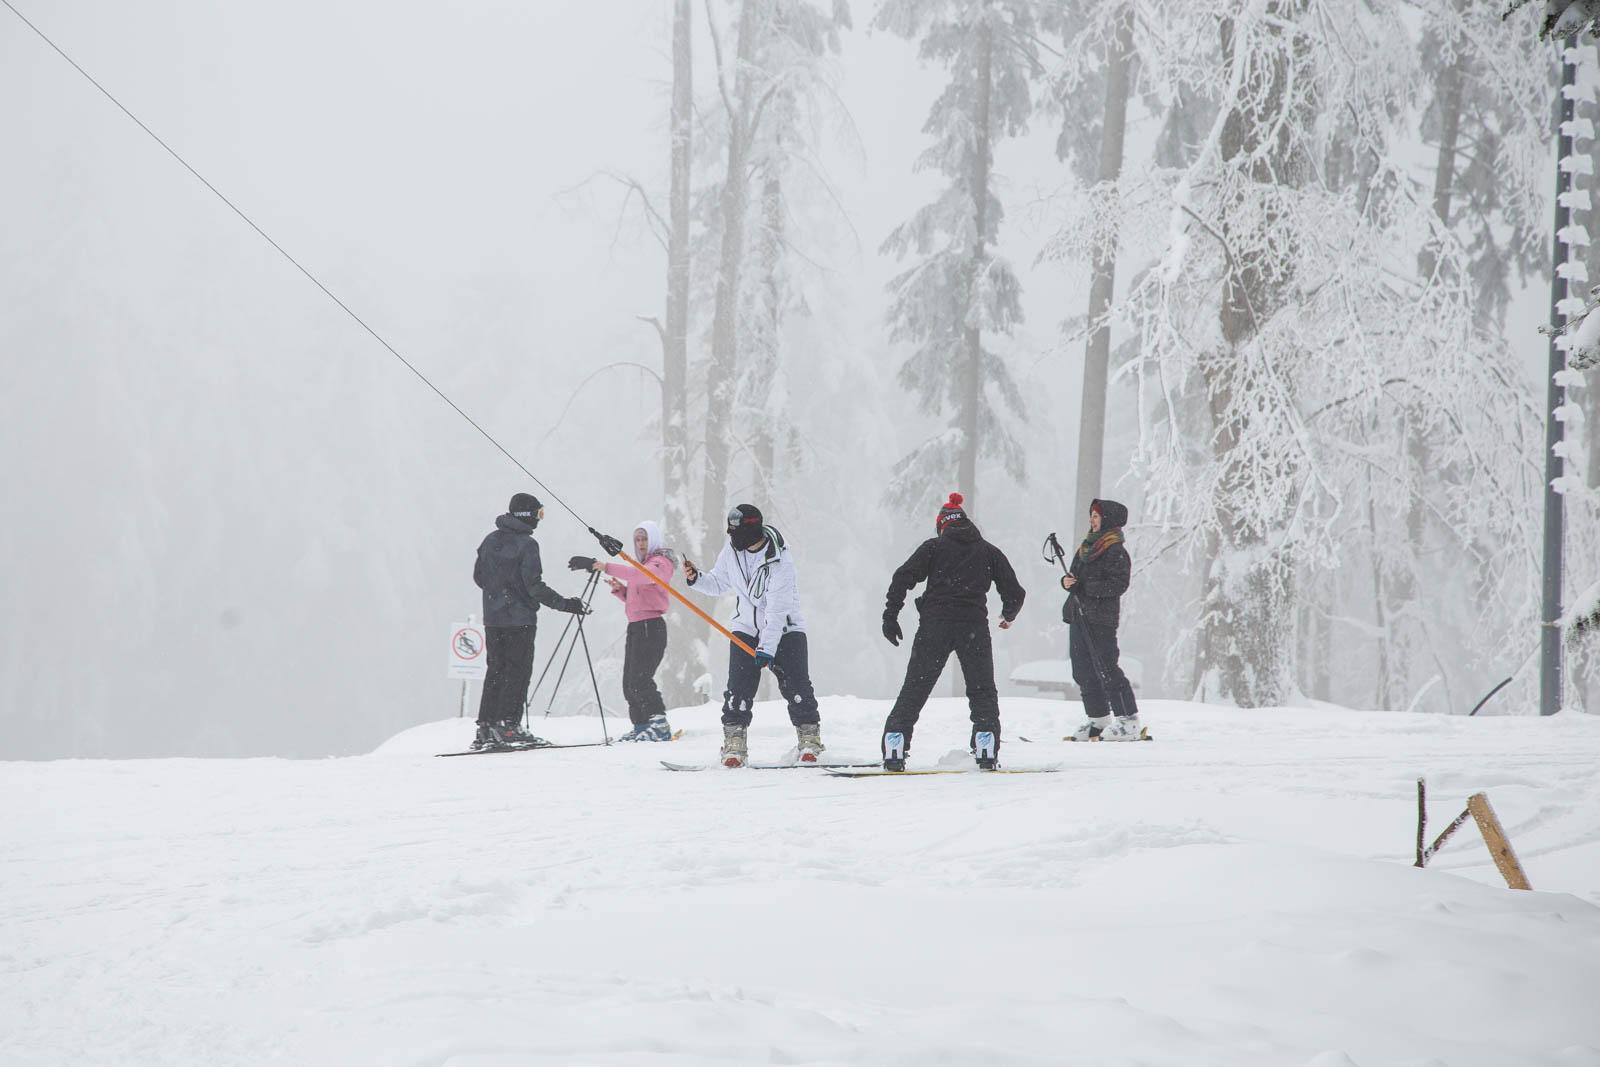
(1301, 244)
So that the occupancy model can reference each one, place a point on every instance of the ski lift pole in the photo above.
(613, 547)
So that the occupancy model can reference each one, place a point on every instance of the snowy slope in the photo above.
(1236, 893)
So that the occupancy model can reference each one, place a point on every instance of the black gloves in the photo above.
(572, 606)
(580, 563)
(891, 630)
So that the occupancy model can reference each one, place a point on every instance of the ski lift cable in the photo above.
(298, 266)
(611, 545)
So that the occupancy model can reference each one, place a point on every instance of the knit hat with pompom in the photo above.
(951, 512)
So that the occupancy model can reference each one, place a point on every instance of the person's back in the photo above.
(961, 568)
(507, 559)
(511, 577)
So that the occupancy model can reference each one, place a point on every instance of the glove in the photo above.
(891, 630)
(763, 659)
(572, 606)
(580, 563)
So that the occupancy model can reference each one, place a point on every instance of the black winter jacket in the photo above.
(1097, 596)
(511, 577)
(959, 566)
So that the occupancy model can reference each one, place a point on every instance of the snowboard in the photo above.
(758, 766)
(879, 772)
(1144, 735)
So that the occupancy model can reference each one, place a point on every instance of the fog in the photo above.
(236, 525)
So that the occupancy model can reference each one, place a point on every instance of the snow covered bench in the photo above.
(1055, 675)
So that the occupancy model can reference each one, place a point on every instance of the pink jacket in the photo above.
(643, 598)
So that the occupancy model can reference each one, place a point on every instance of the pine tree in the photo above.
(961, 292)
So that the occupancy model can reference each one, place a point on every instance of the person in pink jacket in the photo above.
(646, 604)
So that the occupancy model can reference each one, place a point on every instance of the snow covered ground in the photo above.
(1236, 893)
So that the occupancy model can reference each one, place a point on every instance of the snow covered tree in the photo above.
(961, 293)
(1563, 18)
(775, 72)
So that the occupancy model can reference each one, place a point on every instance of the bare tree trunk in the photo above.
(677, 680)
(972, 367)
(1444, 171)
(1102, 284)
(721, 379)
(675, 348)
(764, 357)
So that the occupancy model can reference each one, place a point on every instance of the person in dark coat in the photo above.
(1095, 581)
(959, 567)
(512, 579)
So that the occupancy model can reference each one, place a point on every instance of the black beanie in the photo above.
(745, 526)
(526, 506)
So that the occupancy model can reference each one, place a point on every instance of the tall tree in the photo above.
(1105, 33)
(742, 114)
(961, 291)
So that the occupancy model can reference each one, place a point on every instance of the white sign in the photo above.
(469, 656)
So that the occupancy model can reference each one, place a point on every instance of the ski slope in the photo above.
(1237, 893)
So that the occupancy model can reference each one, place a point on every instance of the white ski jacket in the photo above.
(765, 587)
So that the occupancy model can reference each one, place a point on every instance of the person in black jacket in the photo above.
(512, 579)
(959, 567)
(1095, 582)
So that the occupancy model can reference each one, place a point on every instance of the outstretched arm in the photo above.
(718, 579)
(1011, 592)
(914, 570)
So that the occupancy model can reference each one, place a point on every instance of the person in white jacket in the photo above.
(756, 568)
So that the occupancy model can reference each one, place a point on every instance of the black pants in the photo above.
(505, 687)
(1101, 683)
(974, 649)
(791, 665)
(647, 644)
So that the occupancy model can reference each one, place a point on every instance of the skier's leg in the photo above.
(930, 648)
(1090, 686)
(494, 677)
(792, 668)
(631, 656)
(519, 672)
(652, 649)
(975, 652)
(744, 677)
(1119, 691)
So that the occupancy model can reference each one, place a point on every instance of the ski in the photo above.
(522, 748)
(758, 766)
(529, 748)
(879, 772)
(1144, 735)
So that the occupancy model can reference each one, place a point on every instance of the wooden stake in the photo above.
(1495, 837)
(1422, 822)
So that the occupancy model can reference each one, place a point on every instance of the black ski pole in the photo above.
(601, 704)
(587, 596)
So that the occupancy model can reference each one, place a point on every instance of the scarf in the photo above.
(1095, 544)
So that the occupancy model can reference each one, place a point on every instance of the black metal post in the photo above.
(1554, 465)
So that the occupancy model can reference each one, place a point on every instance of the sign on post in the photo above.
(468, 658)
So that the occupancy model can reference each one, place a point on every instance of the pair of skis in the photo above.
(538, 746)
(873, 769)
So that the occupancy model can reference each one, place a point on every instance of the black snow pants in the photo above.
(647, 644)
(974, 649)
(1101, 683)
(791, 665)
(505, 686)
